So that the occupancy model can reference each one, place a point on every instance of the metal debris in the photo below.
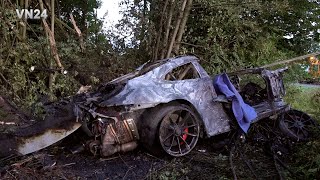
(131, 108)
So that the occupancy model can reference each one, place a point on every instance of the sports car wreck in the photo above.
(166, 106)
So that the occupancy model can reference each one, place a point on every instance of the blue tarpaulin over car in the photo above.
(243, 113)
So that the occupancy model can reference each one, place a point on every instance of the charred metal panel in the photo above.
(215, 120)
(274, 80)
(199, 68)
(152, 89)
(31, 144)
(60, 123)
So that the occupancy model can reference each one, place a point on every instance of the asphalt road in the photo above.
(307, 85)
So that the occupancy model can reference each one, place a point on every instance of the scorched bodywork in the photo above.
(165, 105)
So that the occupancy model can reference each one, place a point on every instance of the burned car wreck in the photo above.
(166, 106)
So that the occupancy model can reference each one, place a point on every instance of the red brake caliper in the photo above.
(184, 136)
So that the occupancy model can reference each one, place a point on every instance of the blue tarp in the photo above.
(243, 113)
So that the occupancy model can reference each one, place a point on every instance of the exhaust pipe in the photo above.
(119, 137)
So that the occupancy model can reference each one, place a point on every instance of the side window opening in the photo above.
(186, 71)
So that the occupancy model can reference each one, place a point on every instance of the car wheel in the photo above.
(297, 125)
(173, 129)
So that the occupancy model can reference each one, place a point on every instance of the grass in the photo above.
(306, 157)
(304, 98)
(302, 158)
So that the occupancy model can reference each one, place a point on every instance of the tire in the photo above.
(297, 125)
(172, 129)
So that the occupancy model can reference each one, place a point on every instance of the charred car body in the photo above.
(167, 105)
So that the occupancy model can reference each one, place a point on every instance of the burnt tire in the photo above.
(297, 125)
(171, 129)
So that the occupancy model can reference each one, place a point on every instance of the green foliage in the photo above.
(306, 159)
(228, 35)
(84, 13)
(297, 73)
(28, 87)
(174, 170)
(298, 20)
(304, 98)
(234, 35)
(31, 89)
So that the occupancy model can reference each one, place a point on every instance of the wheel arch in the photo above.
(180, 101)
(175, 102)
(149, 123)
(185, 102)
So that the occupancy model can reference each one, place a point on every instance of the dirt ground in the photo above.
(265, 153)
(211, 159)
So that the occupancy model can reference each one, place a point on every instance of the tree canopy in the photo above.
(226, 35)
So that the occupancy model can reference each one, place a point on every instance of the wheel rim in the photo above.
(298, 123)
(179, 132)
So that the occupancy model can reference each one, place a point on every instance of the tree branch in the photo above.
(78, 32)
(189, 44)
(52, 41)
(291, 60)
(65, 25)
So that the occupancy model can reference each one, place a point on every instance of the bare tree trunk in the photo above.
(160, 30)
(52, 41)
(78, 32)
(51, 76)
(52, 16)
(58, 8)
(24, 29)
(47, 3)
(166, 36)
(53, 46)
(173, 38)
(22, 24)
(143, 21)
(182, 26)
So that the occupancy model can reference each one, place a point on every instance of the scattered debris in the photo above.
(167, 106)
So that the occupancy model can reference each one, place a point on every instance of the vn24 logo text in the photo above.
(31, 14)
